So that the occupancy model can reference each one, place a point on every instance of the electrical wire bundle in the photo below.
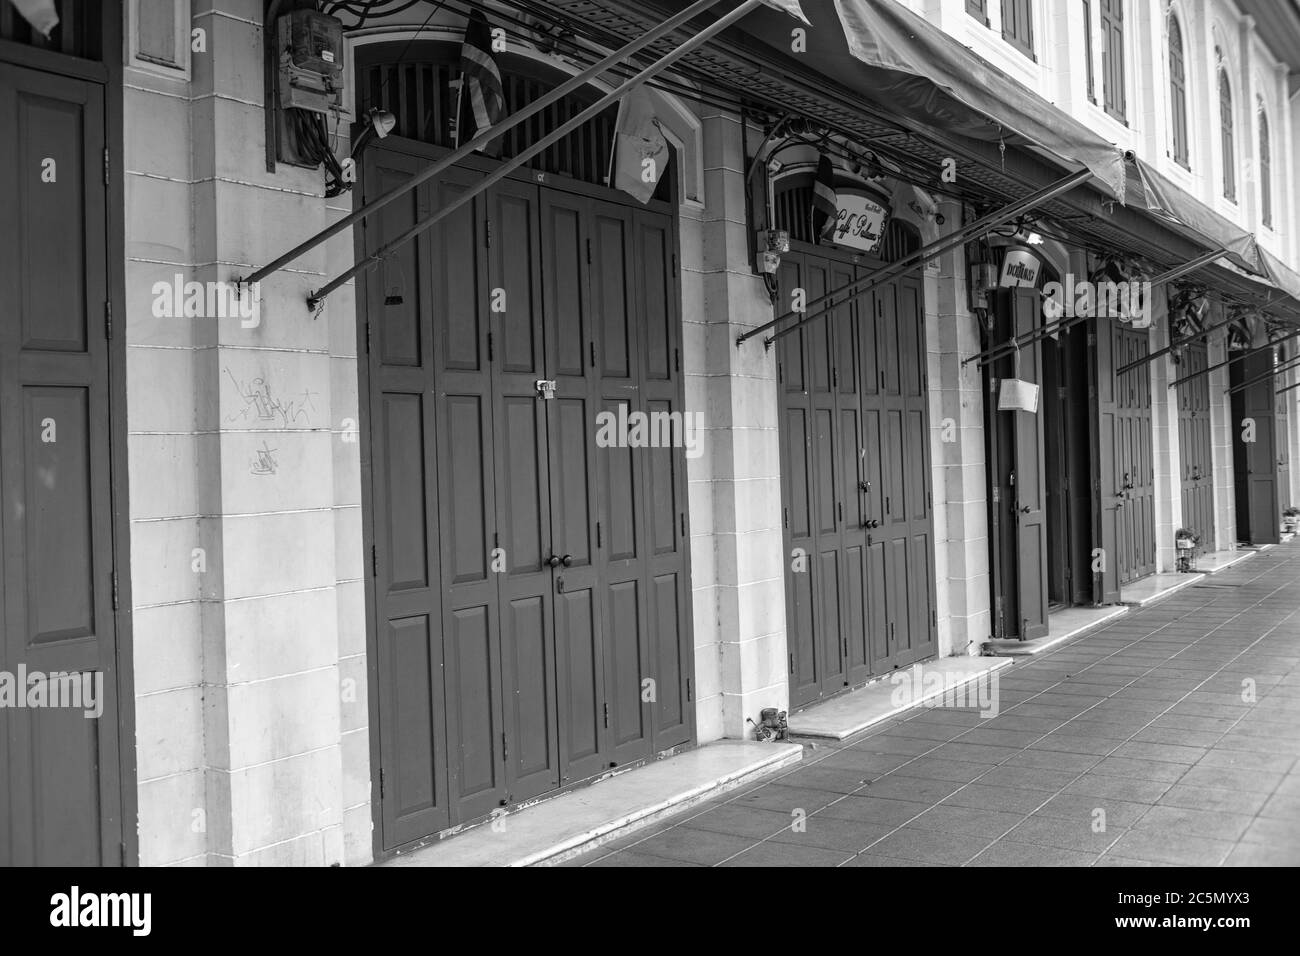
(312, 139)
(362, 11)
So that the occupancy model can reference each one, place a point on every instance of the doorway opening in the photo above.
(1067, 469)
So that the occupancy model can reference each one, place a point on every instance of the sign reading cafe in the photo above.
(860, 223)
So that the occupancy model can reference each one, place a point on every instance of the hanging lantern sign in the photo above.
(861, 219)
(1020, 268)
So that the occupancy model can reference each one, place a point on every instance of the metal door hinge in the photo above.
(381, 783)
(368, 334)
(688, 690)
(592, 348)
(588, 252)
(606, 713)
(779, 377)
(683, 517)
(505, 747)
(674, 265)
(934, 619)
(997, 494)
(487, 234)
(108, 319)
(114, 590)
(792, 663)
(490, 344)
(545, 388)
(106, 167)
(374, 560)
(677, 360)
(598, 534)
(835, 378)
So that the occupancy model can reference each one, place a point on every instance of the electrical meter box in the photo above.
(315, 42)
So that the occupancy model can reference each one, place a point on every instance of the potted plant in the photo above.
(1291, 519)
(1186, 538)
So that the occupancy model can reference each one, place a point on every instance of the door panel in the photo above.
(524, 495)
(1255, 461)
(1030, 490)
(1197, 484)
(60, 784)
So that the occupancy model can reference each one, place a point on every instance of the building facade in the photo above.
(362, 572)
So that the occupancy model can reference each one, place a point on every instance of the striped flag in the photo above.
(481, 78)
(825, 202)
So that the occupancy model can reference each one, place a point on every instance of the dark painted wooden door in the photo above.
(1255, 449)
(531, 594)
(60, 785)
(855, 482)
(807, 364)
(906, 524)
(1194, 436)
(1126, 470)
(1028, 490)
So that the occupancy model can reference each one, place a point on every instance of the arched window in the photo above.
(1178, 92)
(1265, 169)
(1227, 141)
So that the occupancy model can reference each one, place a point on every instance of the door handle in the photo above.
(864, 487)
(567, 560)
(1025, 510)
(552, 562)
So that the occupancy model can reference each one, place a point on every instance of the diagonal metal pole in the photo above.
(1061, 325)
(859, 287)
(506, 168)
(1232, 361)
(532, 109)
(1148, 359)
(1285, 367)
(1287, 389)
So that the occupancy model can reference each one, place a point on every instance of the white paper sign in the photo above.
(1016, 395)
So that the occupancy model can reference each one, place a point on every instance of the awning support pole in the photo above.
(506, 168)
(510, 122)
(859, 287)
(1147, 360)
(993, 354)
(1232, 361)
(1284, 367)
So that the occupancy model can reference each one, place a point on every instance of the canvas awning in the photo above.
(1283, 277)
(1168, 202)
(890, 56)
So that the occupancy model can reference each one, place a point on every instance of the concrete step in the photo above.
(1061, 626)
(572, 823)
(1215, 561)
(851, 713)
(1156, 587)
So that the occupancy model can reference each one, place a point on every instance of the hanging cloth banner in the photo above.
(40, 14)
(825, 201)
(641, 153)
(789, 6)
(481, 80)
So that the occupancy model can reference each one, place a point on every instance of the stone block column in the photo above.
(735, 485)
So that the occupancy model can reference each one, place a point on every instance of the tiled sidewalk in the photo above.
(1135, 745)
